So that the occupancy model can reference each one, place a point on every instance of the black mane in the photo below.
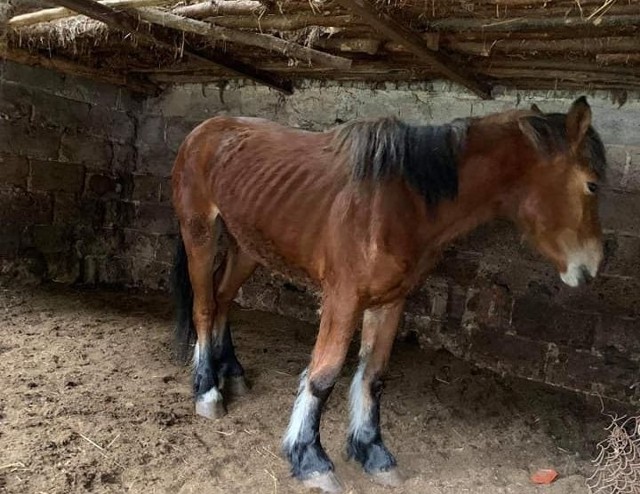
(426, 156)
(550, 137)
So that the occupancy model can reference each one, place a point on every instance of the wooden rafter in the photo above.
(264, 41)
(414, 43)
(48, 15)
(127, 22)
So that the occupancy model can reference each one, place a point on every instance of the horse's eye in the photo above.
(593, 187)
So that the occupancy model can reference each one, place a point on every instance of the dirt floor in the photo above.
(91, 401)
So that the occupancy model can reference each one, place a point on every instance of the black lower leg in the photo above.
(365, 440)
(226, 353)
(205, 375)
(302, 445)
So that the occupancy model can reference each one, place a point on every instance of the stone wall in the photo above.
(85, 191)
(68, 206)
(492, 300)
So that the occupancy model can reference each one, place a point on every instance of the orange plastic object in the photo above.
(544, 476)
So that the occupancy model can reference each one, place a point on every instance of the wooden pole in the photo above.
(523, 24)
(414, 43)
(267, 42)
(56, 13)
(283, 22)
(124, 21)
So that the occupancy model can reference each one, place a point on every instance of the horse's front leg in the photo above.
(309, 462)
(365, 440)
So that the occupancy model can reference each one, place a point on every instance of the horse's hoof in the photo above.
(237, 385)
(211, 409)
(325, 482)
(388, 478)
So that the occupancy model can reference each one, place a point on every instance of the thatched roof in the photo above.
(538, 44)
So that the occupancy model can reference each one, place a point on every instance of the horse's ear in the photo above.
(536, 109)
(578, 122)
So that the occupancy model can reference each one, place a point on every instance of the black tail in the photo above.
(184, 332)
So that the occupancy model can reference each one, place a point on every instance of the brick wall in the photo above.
(69, 209)
(84, 194)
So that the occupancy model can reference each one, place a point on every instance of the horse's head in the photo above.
(558, 210)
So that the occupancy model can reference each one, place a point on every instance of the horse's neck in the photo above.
(490, 183)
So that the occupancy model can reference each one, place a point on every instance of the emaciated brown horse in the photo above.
(362, 212)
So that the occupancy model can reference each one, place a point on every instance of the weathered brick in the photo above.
(34, 77)
(518, 276)
(492, 307)
(107, 122)
(96, 93)
(583, 370)
(507, 353)
(458, 267)
(624, 167)
(52, 238)
(623, 334)
(149, 274)
(63, 267)
(620, 211)
(166, 248)
(10, 240)
(176, 129)
(113, 270)
(165, 189)
(124, 158)
(54, 111)
(14, 170)
(94, 152)
(20, 207)
(119, 214)
(101, 242)
(139, 245)
(103, 186)
(623, 255)
(68, 208)
(15, 103)
(146, 188)
(538, 318)
(34, 142)
(56, 176)
(606, 295)
(155, 218)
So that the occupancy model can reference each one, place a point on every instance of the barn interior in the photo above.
(96, 98)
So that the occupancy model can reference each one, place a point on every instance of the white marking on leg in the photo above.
(303, 406)
(360, 403)
(196, 355)
(210, 396)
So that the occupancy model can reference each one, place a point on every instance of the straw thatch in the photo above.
(581, 44)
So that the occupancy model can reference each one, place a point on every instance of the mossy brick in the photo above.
(14, 170)
(94, 152)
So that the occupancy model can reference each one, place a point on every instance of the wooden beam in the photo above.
(128, 23)
(283, 22)
(532, 23)
(264, 41)
(134, 83)
(414, 43)
(48, 15)
(220, 7)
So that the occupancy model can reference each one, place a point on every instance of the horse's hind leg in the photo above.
(239, 267)
(200, 240)
(365, 441)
